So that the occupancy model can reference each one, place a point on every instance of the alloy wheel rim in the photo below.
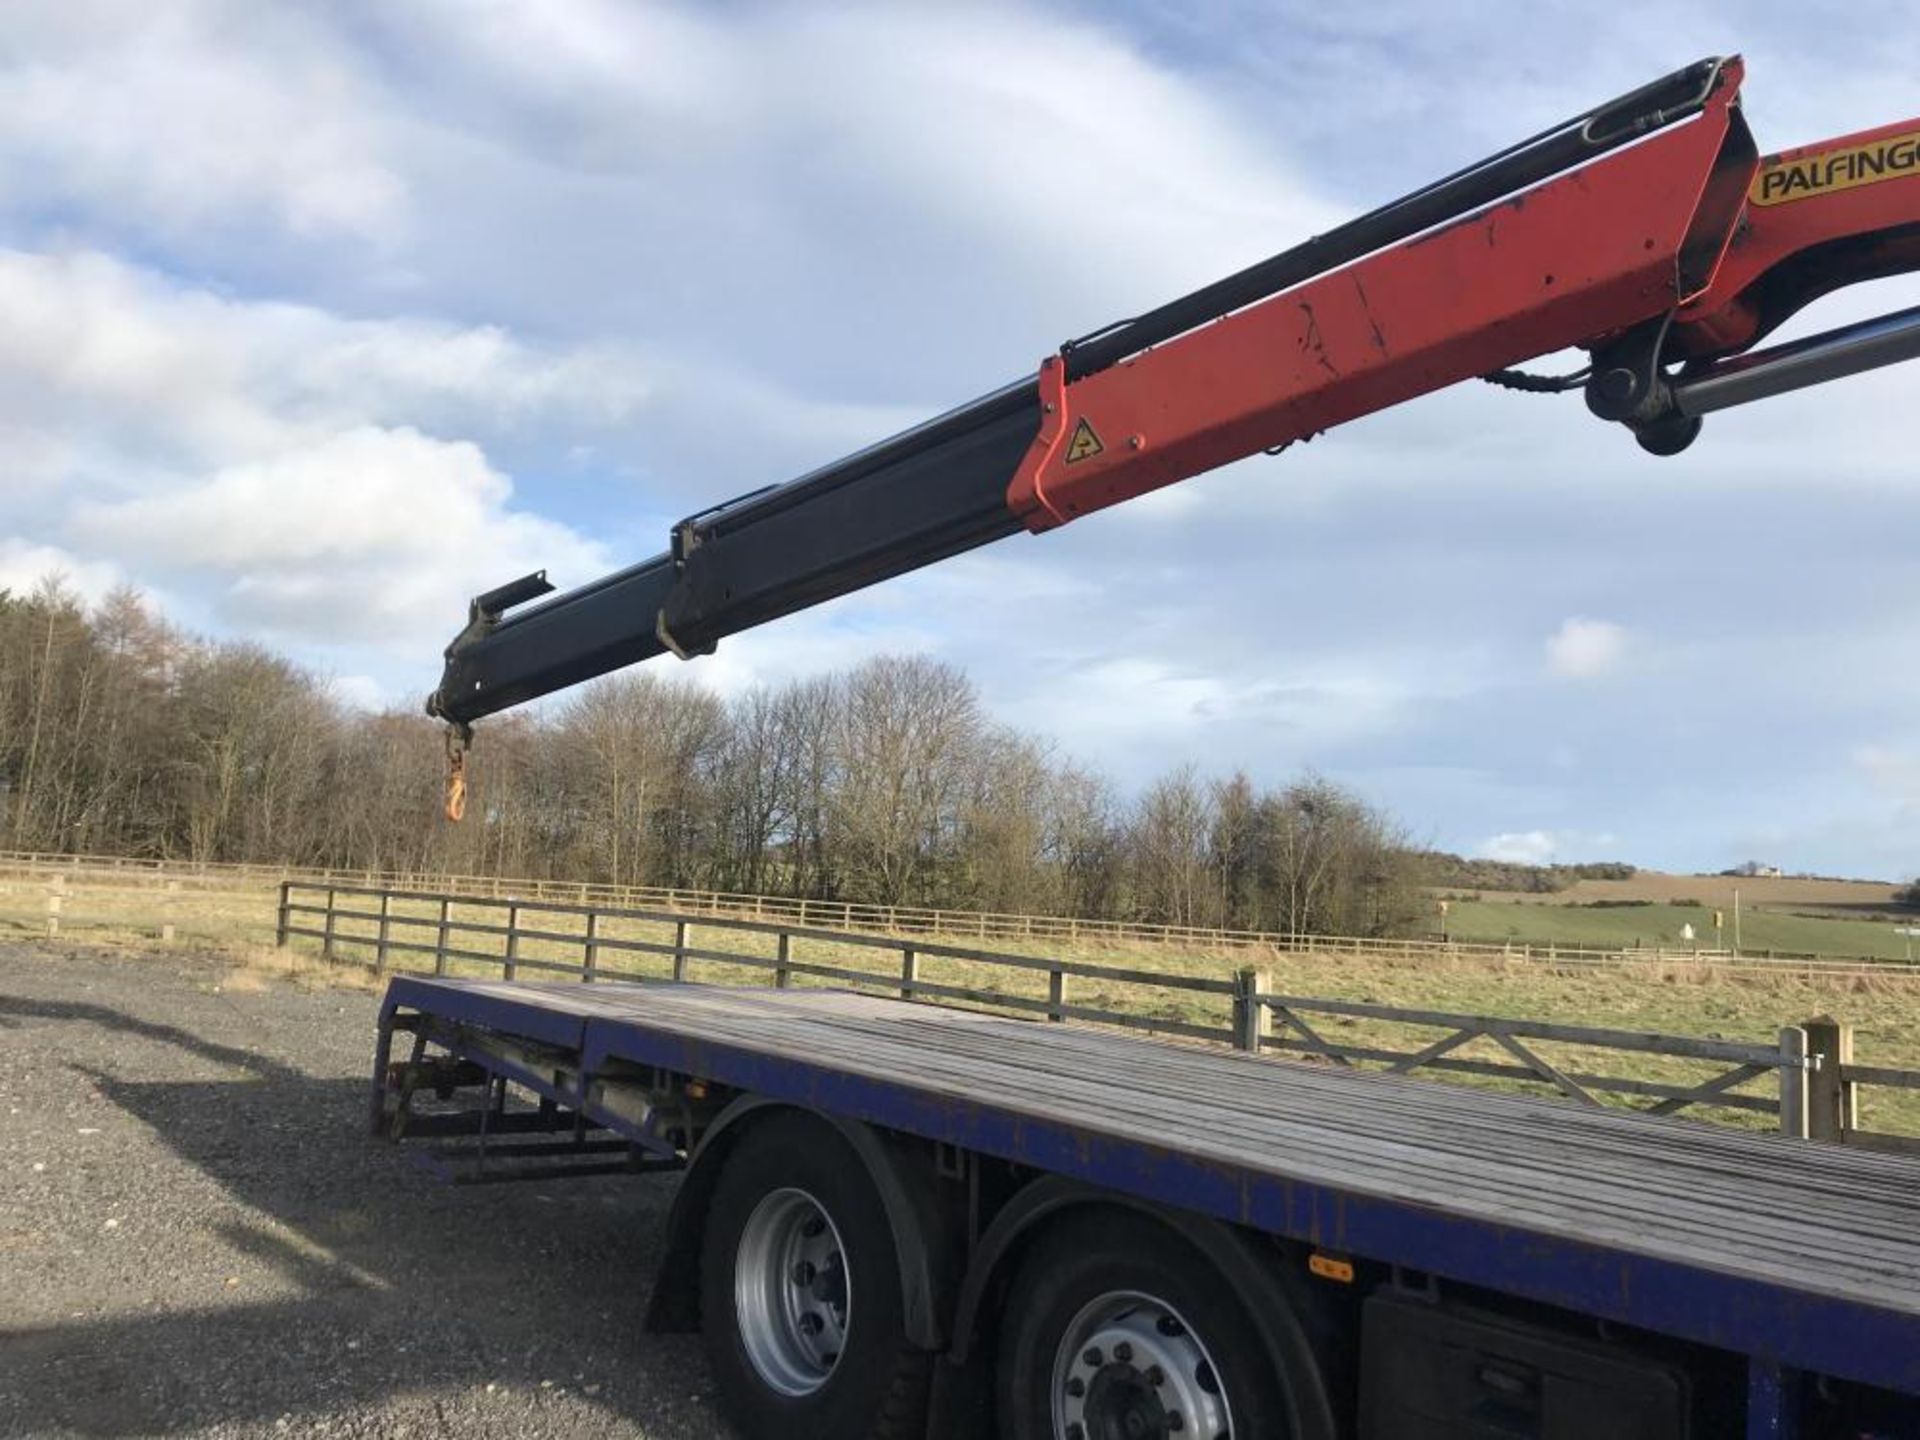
(791, 1292)
(1129, 1367)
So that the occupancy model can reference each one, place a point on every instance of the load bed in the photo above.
(1806, 1254)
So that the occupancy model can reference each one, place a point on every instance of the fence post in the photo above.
(56, 901)
(783, 955)
(285, 915)
(169, 899)
(511, 963)
(909, 972)
(592, 956)
(1252, 1021)
(1793, 1082)
(440, 946)
(1833, 1105)
(326, 939)
(1056, 994)
(680, 928)
(386, 932)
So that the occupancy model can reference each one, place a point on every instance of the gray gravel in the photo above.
(196, 1239)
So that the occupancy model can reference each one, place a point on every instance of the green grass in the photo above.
(1657, 926)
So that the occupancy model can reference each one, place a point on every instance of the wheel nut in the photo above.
(1176, 1422)
(803, 1273)
(1123, 1352)
(1156, 1377)
(1076, 1431)
(1076, 1387)
(1093, 1357)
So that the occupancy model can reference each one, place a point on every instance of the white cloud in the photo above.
(1522, 847)
(362, 692)
(93, 347)
(252, 454)
(24, 565)
(371, 535)
(1545, 847)
(1143, 707)
(193, 115)
(1584, 649)
(925, 112)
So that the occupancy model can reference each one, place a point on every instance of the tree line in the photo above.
(1462, 872)
(887, 783)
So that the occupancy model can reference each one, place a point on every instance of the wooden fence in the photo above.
(955, 924)
(157, 905)
(1808, 1083)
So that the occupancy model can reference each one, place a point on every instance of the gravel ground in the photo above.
(197, 1239)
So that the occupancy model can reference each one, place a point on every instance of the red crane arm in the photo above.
(1686, 246)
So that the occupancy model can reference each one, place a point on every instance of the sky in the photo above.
(316, 320)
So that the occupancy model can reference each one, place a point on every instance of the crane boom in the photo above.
(1648, 231)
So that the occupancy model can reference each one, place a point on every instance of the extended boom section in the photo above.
(1648, 232)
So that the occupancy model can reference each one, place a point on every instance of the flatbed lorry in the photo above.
(899, 1220)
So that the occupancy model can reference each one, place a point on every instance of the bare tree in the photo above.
(634, 751)
(907, 736)
(1088, 843)
(1171, 826)
(1006, 858)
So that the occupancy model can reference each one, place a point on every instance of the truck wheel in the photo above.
(800, 1293)
(1115, 1330)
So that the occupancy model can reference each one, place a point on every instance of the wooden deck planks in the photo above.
(1816, 1217)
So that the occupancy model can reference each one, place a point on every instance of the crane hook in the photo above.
(459, 740)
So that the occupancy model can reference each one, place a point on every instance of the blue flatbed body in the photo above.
(1798, 1254)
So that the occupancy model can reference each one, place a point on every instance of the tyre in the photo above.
(1116, 1330)
(800, 1293)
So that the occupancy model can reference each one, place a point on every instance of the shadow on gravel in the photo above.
(13, 1010)
(381, 1281)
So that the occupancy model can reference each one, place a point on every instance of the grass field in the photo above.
(1660, 926)
(1787, 914)
(1674, 998)
(1767, 892)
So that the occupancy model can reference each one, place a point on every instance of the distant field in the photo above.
(1821, 917)
(1787, 892)
(1659, 926)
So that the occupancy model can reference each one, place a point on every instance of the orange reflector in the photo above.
(1328, 1268)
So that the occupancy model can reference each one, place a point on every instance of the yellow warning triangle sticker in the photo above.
(1084, 445)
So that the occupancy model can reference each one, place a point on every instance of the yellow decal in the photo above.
(1813, 175)
(1084, 445)
(1328, 1268)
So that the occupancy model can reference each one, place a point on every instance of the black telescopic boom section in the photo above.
(941, 487)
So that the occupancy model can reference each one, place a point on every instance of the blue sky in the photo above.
(315, 320)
